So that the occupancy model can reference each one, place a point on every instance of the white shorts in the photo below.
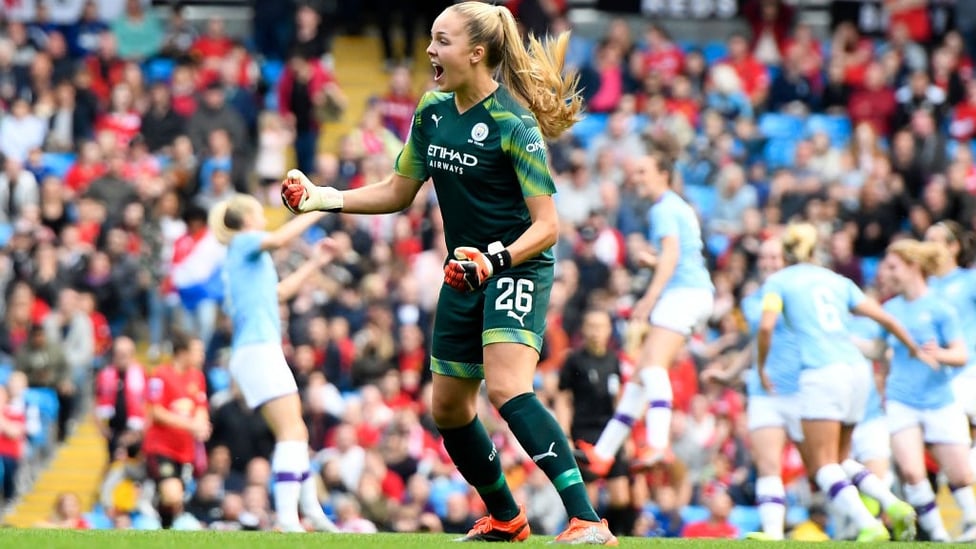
(775, 411)
(871, 440)
(683, 310)
(946, 425)
(838, 392)
(964, 388)
(261, 373)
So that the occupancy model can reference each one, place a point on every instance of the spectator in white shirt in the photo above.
(21, 132)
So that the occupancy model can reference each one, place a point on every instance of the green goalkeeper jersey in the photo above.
(484, 164)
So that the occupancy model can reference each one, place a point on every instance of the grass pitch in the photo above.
(109, 539)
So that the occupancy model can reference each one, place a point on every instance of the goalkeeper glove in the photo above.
(470, 267)
(300, 195)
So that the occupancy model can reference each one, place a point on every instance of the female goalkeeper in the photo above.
(481, 142)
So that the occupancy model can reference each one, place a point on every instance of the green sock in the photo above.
(478, 461)
(539, 433)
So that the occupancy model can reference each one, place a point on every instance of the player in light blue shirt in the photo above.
(677, 302)
(921, 408)
(257, 362)
(834, 381)
(772, 418)
(956, 283)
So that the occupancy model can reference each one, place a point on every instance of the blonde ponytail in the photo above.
(534, 76)
(929, 257)
(226, 218)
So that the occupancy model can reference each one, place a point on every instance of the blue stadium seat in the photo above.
(589, 127)
(779, 153)
(46, 401)
(693, 513)
(271, 72)
(795, 514)
(837, 127)
(218, 379)
(5, 371)
(773, 71)
(746, 519)
(717, 244)
(159, 69)
(6, 231)
(715, 52)
(702, 197)
(686, 45)
(98, 520)
(780, 126)
(58, 163)
(869, 268)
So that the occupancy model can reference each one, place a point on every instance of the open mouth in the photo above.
(438, 72)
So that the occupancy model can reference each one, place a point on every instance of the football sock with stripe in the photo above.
(771, 499)
(540, 435)
(657, 391)
(289, 467)
(478, 461)
(618, 428)
(833, 481)
(922, 498)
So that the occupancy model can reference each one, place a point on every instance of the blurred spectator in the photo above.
(735, 196)
(771, 22)
(195, 274)
(306, 88)
(312, 39)
(178, 421)
(161, 125)
(19, 191)
(240, 431)
(717, 525)
(792, 86)
(180, 34)
(215, 114)
(275, 138)
(21, 132)
(46, 367)
(13, 440)
(120, 397)
(140, 34)
(67, 514)
(874, 103)
(406, 15)
(397, 106)
(349, 518)
(751, 72)
(602, 81)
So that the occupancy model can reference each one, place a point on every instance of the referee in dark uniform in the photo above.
(588, 385)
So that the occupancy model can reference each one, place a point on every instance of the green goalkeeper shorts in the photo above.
(509, 308)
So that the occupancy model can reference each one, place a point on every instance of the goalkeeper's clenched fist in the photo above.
(300, 195)
(470, 267)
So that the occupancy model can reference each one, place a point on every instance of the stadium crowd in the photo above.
(120, 130)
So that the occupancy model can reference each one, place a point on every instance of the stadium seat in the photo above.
(780, 126)
(779, 153)
(271, 72)
(218, 379)
(773, 72)
(795, 514)
(58, 163)
(837, 127)
(869, 268)
(693, 513)
(589, 127)
(745, 518)
(46, 401)
(686, 45)
(5, 371)
(98, 519)
(159, 69)
(702, 197)
(715, 52)
(717, 244)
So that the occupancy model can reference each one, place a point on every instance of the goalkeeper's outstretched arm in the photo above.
(392, 194)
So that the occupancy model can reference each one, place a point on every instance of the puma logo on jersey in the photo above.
(521, 319)
(549, 452)
(437, 120)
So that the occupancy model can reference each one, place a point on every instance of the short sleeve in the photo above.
(947, 324)
(527, 150)
(855, 296)
(663, 222)
(567, 373)
(412, 160)
(772, 295)
(248, 244)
